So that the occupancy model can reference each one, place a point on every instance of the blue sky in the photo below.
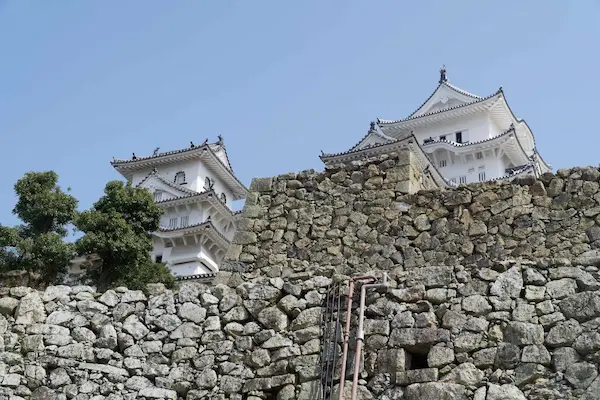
(83, 81)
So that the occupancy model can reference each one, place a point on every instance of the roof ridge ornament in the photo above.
(372, 127)
(443, 77)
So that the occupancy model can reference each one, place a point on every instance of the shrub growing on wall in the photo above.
(37, 246)
(117, 228)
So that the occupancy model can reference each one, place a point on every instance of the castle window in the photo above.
(173, 223)
(180, 178)
(479, 155)
(463, 179)
(482, 176)
(184, 221)
(158, 258)
(459, 138)
(208, 184)
(223, 198)
(158, 195)
(442, 163)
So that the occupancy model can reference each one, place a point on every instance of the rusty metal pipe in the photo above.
(360, 334)
(347, 330)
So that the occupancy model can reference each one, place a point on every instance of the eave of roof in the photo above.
(126, 167)
(210, 195)
(202, 277)
(204, 226)
(383, 122)
(455, 144)
(409, 141)
(118, 162)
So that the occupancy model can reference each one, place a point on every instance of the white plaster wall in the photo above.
(191, 268)
(195, 174)
(474, 128)
(195, 214)
(168, 171)
(455, 167)
(189, 256)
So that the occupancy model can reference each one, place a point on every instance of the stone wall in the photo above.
(494, 294)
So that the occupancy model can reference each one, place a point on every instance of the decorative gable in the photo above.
(155, 182)
(372, 139)
(445, 97)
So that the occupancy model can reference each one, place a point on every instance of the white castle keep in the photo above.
(467, 138)
(195, 187)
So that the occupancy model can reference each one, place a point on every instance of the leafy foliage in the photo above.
(37, 246)
(117, 230)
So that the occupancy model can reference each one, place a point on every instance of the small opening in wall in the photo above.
(418, 361)
(159, 258)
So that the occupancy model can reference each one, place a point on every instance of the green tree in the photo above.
(38, 246)
(117, 228)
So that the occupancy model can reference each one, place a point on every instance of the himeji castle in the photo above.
(195, 187)
(468, 138)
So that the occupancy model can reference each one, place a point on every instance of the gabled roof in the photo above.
(218, 148)
(373, 137)
(214, 155)
(376, 149)
(414, 116)
(444, 91)
(155, 175)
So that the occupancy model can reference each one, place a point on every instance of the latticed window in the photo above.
(223, 198)
(184, 221)
(207, 183)
(173, 223)
(158, 195)
(180, 178)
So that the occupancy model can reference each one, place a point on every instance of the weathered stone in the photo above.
(416, 376)
(157, 393)
(581, 375)
(440, 356)
(523, 333)
(273, 318)
(581, 306)
(504, 392)
(508, 284)
(134, 327)
(561, 288)
(536, 354)
(436, 390)
(30, 310)
(563, 333)
(465, 374)
(8, 305)
(476, 304)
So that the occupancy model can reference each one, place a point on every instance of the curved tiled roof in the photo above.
(479, 100)
(119, 161)
(455, 144)
(202, 225)
(206, 193)
(208, 275)
(116, 163)
(514, 172)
